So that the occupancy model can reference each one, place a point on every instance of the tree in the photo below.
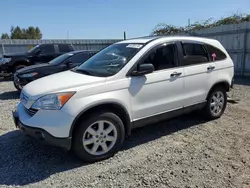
(165, 29)
(5, 36)
(22, 33)
(16, 33)
(39, 34)
(33, 33)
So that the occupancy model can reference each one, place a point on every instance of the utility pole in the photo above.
(3, 49)
(67, 34)
(189, 26)
(124, 35)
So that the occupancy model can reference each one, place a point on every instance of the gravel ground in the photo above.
(185, 152)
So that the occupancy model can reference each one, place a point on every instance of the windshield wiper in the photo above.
(87, 72)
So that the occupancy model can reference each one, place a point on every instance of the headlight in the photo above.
(28, 75)
(52, 101)
(5, 60)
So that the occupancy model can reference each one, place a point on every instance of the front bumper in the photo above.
(19, 83)
(43, 128)
(41, 135)
(5, 68)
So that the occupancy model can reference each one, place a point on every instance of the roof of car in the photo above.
(82, 51)
(144, 40)
(140, 39)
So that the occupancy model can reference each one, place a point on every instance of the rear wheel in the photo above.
(99, 137)
(216, 103)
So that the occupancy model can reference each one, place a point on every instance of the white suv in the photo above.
(90, 109)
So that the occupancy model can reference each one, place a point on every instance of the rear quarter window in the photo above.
(215, 54)
(64, 48)
(47, 49)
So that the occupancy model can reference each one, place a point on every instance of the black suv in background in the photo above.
(43, 53)
(62, 63)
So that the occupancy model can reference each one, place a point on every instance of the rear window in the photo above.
(215, 54)
(192, 49)
(194, 53)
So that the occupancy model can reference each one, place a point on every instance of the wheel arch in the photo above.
(115, 107)
(222, 83)
(21, 62)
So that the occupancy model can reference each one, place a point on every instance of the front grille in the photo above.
(31, 111)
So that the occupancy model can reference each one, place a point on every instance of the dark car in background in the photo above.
(61, 63)
(43, 53)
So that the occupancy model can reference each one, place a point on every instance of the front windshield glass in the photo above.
(33, 49)
(60, 59)
(110, 60)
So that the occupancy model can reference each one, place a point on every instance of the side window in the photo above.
(64, 48)
(163, 57)
(215, 54)
(194, 53)
(47, 49)
(79, 58)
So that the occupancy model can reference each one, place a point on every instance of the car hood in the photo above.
(59, 82)
(14, 55)
(31, 68)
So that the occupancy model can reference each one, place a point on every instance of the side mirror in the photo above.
(38, 52)
(69, 63)
(143, 69)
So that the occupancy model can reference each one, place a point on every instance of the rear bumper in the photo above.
(232, 83)
(41, 135)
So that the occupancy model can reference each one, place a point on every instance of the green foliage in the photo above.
(5, 36)
(166, 29)
(18, 33)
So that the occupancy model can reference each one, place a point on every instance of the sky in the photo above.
(108, 19)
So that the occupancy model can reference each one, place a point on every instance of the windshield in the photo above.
(110, 60)
(33, 49)
(60, 59)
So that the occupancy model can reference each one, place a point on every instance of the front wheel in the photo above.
(19, 67)
(216, 103)
(99, 137)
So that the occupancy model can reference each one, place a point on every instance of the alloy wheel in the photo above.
(217, 103)
(99, 137)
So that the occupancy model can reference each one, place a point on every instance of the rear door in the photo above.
(199, 72)
(47, 53)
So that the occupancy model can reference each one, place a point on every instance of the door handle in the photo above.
(210, 67)
(175, 74)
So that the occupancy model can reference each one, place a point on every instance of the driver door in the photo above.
(47, 53)
(161, 91)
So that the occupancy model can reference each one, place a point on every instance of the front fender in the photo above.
(22, 61)
(77, 105)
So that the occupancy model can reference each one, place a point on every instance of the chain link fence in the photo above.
(19, 46)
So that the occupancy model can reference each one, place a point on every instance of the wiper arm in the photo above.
(84, 71)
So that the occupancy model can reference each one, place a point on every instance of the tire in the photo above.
(109, 121)
(215, 108)
(19, 67)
